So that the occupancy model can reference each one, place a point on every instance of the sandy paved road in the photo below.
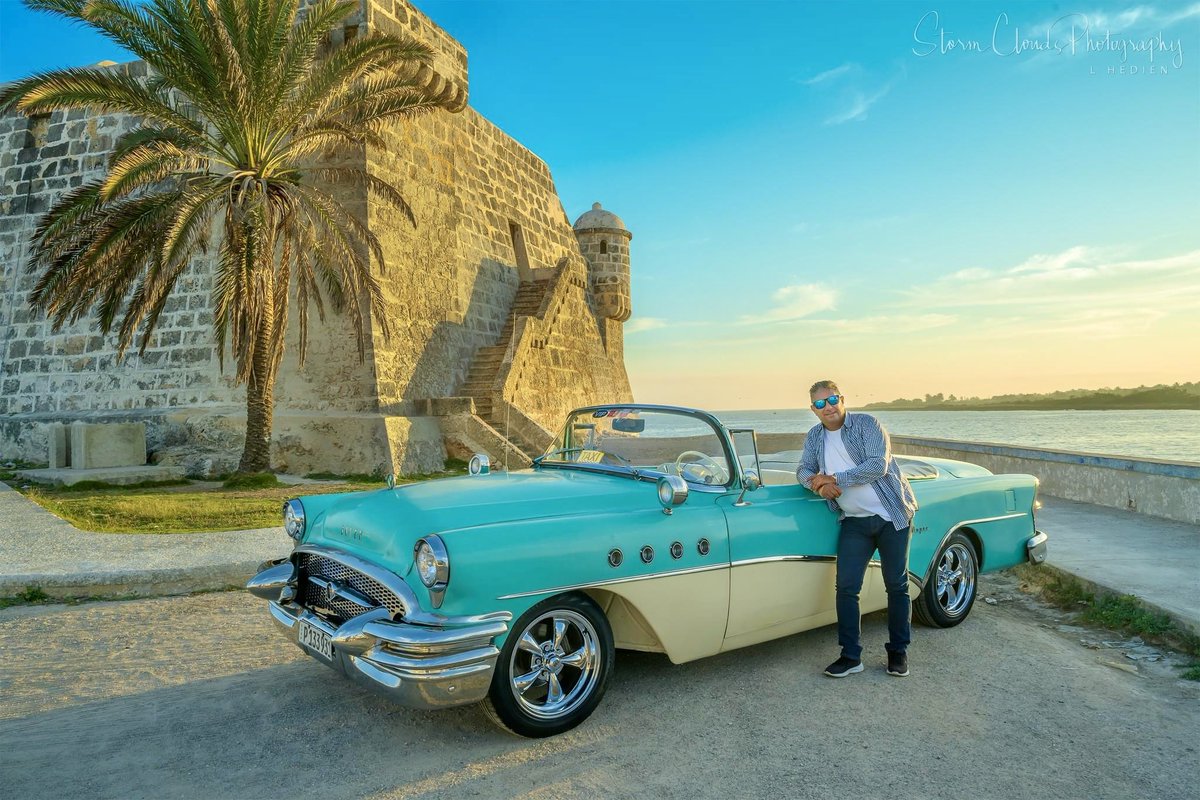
(196, 697)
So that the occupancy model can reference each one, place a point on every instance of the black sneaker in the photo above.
(898, 664)
(843, 667)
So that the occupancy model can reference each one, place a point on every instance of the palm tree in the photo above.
(243, 98)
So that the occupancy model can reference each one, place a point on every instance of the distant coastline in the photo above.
(1179, 397)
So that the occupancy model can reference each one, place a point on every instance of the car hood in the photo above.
(387, 522)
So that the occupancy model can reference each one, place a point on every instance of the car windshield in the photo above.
(639, 440)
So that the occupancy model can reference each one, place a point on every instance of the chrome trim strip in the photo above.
(769, 559)
(611, 581)
(955, 527)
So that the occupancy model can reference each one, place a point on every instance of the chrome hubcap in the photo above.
(555, 664)
(955, 579)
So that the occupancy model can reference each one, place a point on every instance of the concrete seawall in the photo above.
(1161, 488)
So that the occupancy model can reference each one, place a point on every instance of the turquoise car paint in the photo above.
(496, 528)
(982, 506)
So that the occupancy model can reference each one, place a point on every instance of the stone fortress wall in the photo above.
(499, 311)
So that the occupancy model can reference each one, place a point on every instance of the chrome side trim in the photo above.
(611, 581)
(769, 559)
(963, 524)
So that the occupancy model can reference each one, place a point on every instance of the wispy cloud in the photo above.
(853, 89)
(858, 107)
(643, 324)
(1134, 19)
(829, 75)
(1081, 292)
(795, 302)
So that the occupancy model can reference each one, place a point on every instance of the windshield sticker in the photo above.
(590, 456)
(601, 413)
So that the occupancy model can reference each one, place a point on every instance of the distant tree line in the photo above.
(1162, 396)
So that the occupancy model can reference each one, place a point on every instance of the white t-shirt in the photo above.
(856, 501)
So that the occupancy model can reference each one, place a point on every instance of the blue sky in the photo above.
(967, 198)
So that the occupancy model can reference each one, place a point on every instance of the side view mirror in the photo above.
(672, 491)
(480, 464)
(750, 483)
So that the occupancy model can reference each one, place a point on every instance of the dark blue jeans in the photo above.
(860, 537)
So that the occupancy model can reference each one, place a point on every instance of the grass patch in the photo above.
(188, 509)
(1124, 613)
(253, 480)
(8, 471)
(27, 596)
(355, 477)
(34, 596)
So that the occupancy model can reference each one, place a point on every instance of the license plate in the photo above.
(314, 639)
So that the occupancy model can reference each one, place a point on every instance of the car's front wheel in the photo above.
(949, 593)
(553, 668)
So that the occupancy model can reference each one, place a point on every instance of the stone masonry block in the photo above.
(59, 439)
(110, 444)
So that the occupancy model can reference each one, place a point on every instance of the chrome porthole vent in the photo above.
(647, 554)
(702, 547)
(676, 550)
(615, 557)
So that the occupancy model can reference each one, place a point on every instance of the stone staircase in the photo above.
(481, 378)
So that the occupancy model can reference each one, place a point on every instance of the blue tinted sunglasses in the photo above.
(832, 400)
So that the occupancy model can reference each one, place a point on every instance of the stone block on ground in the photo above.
(118, 476)
(107, 444)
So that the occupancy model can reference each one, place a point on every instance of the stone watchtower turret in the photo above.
(604, 242)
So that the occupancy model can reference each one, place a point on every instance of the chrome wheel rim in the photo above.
(555, 665)
(956, 579)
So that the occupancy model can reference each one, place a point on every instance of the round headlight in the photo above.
(293, 519)
(433, 562)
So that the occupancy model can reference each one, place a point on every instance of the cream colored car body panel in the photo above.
(680, 615)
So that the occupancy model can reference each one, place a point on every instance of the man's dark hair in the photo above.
(830, 385)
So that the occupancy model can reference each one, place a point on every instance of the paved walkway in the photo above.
(38, 548)
(1119, 551)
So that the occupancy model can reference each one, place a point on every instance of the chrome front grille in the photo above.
(315, 595)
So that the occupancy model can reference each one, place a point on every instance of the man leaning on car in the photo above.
(848, 461)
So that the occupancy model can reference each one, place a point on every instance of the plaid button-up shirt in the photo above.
(869, 447)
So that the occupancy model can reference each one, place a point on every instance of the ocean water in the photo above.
(1168, 435)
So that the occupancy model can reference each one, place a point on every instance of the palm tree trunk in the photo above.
(260, 395)
(260, 404)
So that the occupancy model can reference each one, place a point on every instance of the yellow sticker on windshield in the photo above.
(590, 456)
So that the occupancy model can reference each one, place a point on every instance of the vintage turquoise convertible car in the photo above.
(642, 527)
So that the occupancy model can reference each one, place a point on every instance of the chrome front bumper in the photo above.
(411, 665)
(441, 662)
(1035, 548)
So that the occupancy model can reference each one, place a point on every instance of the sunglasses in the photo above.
(832, 400)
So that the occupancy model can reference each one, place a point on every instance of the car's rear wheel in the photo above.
(949, 594)
(553, 668)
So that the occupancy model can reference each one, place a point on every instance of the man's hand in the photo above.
(819, 480)
(829, 490)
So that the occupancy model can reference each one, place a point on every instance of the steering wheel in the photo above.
(707, 470)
